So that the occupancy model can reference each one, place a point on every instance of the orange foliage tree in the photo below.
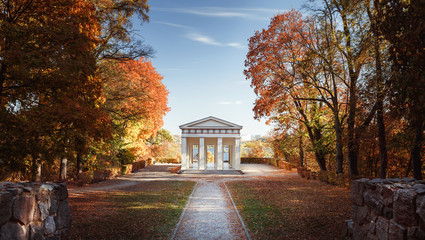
(136, 100)
(49, 91)
(53, 92)
(276, 65)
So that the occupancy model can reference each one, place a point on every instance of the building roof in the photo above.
(210, 123)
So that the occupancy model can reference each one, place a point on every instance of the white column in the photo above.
(190, 161)
(184, 153)
(201, 152)
(237, 162)
(219, 153)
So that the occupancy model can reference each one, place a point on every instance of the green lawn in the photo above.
(149, 210)
(291, 208)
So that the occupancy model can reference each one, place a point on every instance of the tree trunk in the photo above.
(315, 136)
(381, 139)
(63, 169)
(415, 155)
(321, 160)
(36, 169)
(339, 153)
(301, 151)
(379, 91)
(79, 163)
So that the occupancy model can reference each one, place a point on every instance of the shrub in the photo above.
(84, 178)
(125, 156)
(139, 165)
(126, 169)
(167, 160)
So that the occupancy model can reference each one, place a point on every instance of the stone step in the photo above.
(218, 172)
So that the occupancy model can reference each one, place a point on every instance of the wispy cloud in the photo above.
(220, 12)
(210, 41)
(203, 39)
(236, 45)
(230, 103)
(173, 25)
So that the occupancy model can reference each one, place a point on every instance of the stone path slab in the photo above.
(210, 215)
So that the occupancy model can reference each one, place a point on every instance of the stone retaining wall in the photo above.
(387, 209)
(34, 211)
(285, 165)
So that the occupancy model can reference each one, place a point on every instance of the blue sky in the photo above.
(200, 49)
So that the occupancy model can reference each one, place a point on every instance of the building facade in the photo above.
(210, 144)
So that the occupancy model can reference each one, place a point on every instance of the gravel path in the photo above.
(210, 214)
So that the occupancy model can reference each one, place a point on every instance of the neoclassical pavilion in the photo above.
(210, 144)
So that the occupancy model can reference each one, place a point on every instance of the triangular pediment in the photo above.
(210, 123)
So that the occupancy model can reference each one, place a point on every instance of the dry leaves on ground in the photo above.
(291, 208)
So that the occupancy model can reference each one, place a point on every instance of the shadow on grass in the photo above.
(149, 210)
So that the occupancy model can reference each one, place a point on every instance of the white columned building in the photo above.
(210, 144)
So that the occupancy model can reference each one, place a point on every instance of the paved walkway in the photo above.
(210, 214)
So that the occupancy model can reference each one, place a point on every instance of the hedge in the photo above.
(255, 160)
(332, 178)
(167, 160)
(138, 165)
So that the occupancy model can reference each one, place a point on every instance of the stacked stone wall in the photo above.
(387, 209)
(34, 211)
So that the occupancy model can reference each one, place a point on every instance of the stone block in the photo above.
(6, 200)
(397, 232)
(14, 191)
(359, 233)
(63, 217)
(44, 208)
(387, 193)
(13, 230)
(371, 236)
(407, 179)
(374, 201)
(37, 214)
(348, 230)
(65, 234)
(24, 208)
(387, 213)
(357, 189)
(382, 228)
(36, 231)
(61, 192)
(404, 207)
(359, 214)
(53, 238)
(415, 233)
(53, 206)
(43, 195)
(372, 227)
(49, 225)
(420, 207)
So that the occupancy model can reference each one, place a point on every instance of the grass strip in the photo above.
(291, 208)
(149, 210)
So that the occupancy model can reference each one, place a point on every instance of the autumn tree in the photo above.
(402, 23)
(117, 40)
(161, 144)
(50, 88)
(256, 149)
(136, 100)
(47, 77)
(283, 74)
